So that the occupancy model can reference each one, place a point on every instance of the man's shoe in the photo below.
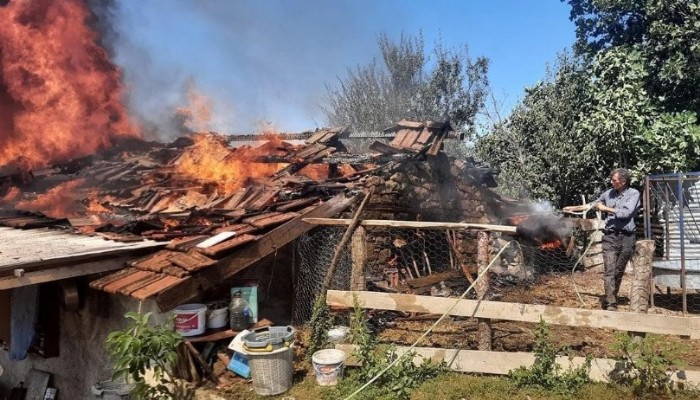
(611, 307)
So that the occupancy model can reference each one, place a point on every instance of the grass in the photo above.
(449, 386)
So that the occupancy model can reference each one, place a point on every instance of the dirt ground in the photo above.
(577, 290)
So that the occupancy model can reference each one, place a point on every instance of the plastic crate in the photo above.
(112, 390)
(267, 339)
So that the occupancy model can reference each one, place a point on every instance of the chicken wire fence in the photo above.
(421, 261)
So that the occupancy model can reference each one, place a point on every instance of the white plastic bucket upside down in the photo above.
(328, 366)
(190, 319)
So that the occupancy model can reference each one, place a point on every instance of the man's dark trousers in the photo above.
(618, 248)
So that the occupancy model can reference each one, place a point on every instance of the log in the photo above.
(482, 287)
(642, 281)
(359, 259)
(344, 240)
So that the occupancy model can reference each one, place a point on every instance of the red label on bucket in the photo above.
(186, 322)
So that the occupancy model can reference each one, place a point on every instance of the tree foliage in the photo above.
(538, 150)
(632, 102)
(409, 84)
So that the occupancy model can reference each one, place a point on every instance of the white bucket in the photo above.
(328, 366)
(217, 315)
(190, 319)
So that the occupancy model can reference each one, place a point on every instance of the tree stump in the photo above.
(482, 289)
(641, 283)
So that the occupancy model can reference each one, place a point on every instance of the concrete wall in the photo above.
(82, 360)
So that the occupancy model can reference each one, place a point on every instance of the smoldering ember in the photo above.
(383, 255)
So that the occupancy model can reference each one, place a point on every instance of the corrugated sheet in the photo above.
(19, 247)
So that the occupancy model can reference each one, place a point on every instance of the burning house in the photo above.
(96, 221)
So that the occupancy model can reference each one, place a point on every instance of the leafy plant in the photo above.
(320, 323)
(398, 380)
(545, 372)
(646, 363)
(140, 347)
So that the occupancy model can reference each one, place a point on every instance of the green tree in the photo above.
(409, 84)
(666, 33)
(540, 153)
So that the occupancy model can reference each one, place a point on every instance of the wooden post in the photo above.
(482, 288)
(641, 265)
(359, 259)
(641, 282)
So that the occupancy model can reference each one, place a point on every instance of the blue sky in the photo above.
(268, 61)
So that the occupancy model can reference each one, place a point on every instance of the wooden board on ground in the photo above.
(501, 362)
(622, 321)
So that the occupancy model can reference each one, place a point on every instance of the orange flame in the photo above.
(211, 159)
(58, 202)
(11, 195)
(197, 115)
(60, 97)
(550, 245)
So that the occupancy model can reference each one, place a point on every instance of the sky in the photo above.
(266, 63)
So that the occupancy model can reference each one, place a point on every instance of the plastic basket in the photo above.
(112, 390)
(272, 372)
(268, 339)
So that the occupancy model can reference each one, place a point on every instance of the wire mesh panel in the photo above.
(315, 251)
(672, 220)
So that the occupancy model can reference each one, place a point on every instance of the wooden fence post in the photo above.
(359, 259)
(482, 288)
(641, 282)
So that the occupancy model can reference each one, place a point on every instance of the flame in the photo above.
(58, 202)
(198, 114)
(211, 159)
(550, 245)
(11, 195)
(60, 96)
(317, 172)
(518, 219)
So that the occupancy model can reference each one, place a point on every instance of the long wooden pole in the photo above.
(343, 241)
(413, 224)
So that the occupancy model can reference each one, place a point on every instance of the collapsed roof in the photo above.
(216, 208)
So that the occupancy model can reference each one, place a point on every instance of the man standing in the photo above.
(621, 204)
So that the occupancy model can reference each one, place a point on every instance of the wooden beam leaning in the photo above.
(413, 224)
(622, 321)
(241, 259)
(501, 362)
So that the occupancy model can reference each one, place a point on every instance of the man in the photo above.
(621, 204)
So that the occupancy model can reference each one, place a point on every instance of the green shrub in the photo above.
(645, 364)
(545, 372)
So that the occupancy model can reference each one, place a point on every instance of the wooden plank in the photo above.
(265, 199)
(429, 280)
(501, 362)
(55, 274)
(229, 266)
(413, 224)
(295, 204)
(127, 290)
(239, 229)
(214, 336)
(410, 138)
(175, 271)
(425, 136)
(273, 219)
(622, 321)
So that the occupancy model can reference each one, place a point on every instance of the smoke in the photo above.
(260, 63)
